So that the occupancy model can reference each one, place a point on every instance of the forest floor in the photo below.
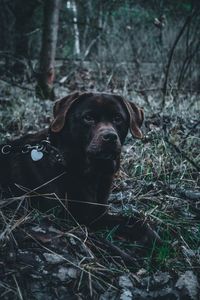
(42, 257)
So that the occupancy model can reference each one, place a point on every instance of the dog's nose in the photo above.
(109, 137)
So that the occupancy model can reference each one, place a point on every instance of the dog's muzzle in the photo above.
(105, 145)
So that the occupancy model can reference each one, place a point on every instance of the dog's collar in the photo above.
(36, 151)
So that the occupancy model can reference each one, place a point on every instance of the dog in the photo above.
(75, 161)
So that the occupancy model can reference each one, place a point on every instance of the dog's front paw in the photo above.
(136, 229)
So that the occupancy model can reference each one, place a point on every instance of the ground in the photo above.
(43, 258)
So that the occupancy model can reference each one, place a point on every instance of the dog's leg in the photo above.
(132, 228)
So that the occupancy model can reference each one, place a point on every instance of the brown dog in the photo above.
(79, 160)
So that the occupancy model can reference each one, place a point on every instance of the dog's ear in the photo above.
(60, 110)
(136, 115)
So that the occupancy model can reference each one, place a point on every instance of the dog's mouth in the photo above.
(103, 155)
(103, 162)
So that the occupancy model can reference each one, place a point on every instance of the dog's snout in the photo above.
(109, 137)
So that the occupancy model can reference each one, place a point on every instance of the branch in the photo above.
(187, 21)
(178, 150)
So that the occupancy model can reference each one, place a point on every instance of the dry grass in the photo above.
(159, 178)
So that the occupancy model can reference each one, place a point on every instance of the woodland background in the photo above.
(149, 52)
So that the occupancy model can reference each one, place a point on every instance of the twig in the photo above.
(87, 51)
(186, 64)
(191, 195)
(103, 243)
(18, 288)
(193, 128)
(178, 150)
(187, 21)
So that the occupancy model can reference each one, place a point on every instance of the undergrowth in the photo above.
(159, 178)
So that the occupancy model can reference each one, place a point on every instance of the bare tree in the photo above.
(72, 5)
(46, 75)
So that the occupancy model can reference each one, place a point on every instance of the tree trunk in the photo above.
(73, 6)
(46, 75)
(23, 25)
(76, 30)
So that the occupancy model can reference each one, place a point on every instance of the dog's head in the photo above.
(96, 124)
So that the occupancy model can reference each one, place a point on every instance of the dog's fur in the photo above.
(88, 130)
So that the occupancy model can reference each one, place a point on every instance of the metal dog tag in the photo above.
(36, 155)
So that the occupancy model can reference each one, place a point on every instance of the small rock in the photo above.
(64, 273)
(141, 272)
(72, 241)
(126, 295)
(125, 282)
(53, 258)
(161, 277)
(188, 284)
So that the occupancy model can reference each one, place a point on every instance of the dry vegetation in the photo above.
(45, 258)
(147, 51)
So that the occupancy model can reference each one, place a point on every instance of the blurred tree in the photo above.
(24, 13)
(44, 88)
(6, 27)
(72, 5)
(16, 27)
(110, 34)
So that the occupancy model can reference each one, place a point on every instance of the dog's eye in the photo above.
(88, 118)
(117, 118)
